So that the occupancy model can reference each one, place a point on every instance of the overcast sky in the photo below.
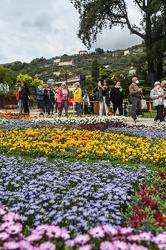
(47, 28)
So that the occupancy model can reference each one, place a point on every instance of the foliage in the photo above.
(147, 209)
(99, 14)
(95, 70)
(6, 78)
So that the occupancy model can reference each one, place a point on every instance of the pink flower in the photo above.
(97, 232)
(47, 245)
(25, 245)
(106, 245)
(34, 237)
(12, 245)
(65, 234)
(120, 245)
(70, 243)
(82, 239)
(160, 239)
(4, 236)
(136, 247)
(85, 247)
(108, 229)
(53, 232)
(126, 230)
(10, 217)
(14, 229)
(146, 236)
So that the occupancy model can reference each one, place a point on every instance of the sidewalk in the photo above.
(129, 120)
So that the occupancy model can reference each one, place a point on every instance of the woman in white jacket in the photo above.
(157, 95)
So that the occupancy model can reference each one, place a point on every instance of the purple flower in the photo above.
(65, 234)
(85, 247)
(11, 245)
(53, 231)
(14, 229)
(126, 230)
(120, 245)
(133, 237)
(25, 245)
(4, 236)
(10, 217)
(2, 211)
(106, 245)
(70, 243)
(82, 239)
(34, 237)
(110, 230)
(47, 246)
(97, 232)
(160, 239)
(136, 247)
(147, 236)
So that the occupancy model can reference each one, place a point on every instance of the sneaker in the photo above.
(162, 123)
(155, 123)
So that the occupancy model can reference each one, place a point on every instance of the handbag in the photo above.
(144, 104)
(164, 103)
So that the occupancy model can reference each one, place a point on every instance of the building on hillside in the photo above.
(57, 73)
(83, 52)
(56, 60)
(126, 52)
(66, 63)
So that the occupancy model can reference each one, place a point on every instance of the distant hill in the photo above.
(70, 66)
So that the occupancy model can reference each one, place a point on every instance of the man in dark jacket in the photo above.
(25, 96)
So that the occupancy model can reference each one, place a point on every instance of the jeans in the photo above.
(65, 106)
(78, 108)
(136, 106)
(20, 105)
(159, 115)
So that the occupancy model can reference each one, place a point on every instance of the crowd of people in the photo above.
(54, 101)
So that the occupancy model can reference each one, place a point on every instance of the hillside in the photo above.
(71, 66)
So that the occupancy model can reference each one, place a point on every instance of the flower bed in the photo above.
(44, 237)
(83, 144)
(93, 202)
(11, 106)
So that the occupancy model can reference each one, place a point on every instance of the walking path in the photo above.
(129, 120)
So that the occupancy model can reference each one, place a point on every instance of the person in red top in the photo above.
(18, 98)
(63, 99)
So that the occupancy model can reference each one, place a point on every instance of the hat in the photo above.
(157, 83)
(77, 84)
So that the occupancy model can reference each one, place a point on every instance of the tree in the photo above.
(31, 83)
(95, 70)
(98, 14)
(6, 78)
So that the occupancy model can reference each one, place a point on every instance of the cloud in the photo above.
(33, 29)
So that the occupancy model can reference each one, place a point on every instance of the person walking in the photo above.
(135, 97)
(78, 98)
(18, 98)
(25, 96)
(63, 99)
(106, 99)
(157, 95)
(40, 99)
(116, 97)
(163, 85)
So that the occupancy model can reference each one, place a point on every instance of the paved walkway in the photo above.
(129, 120)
